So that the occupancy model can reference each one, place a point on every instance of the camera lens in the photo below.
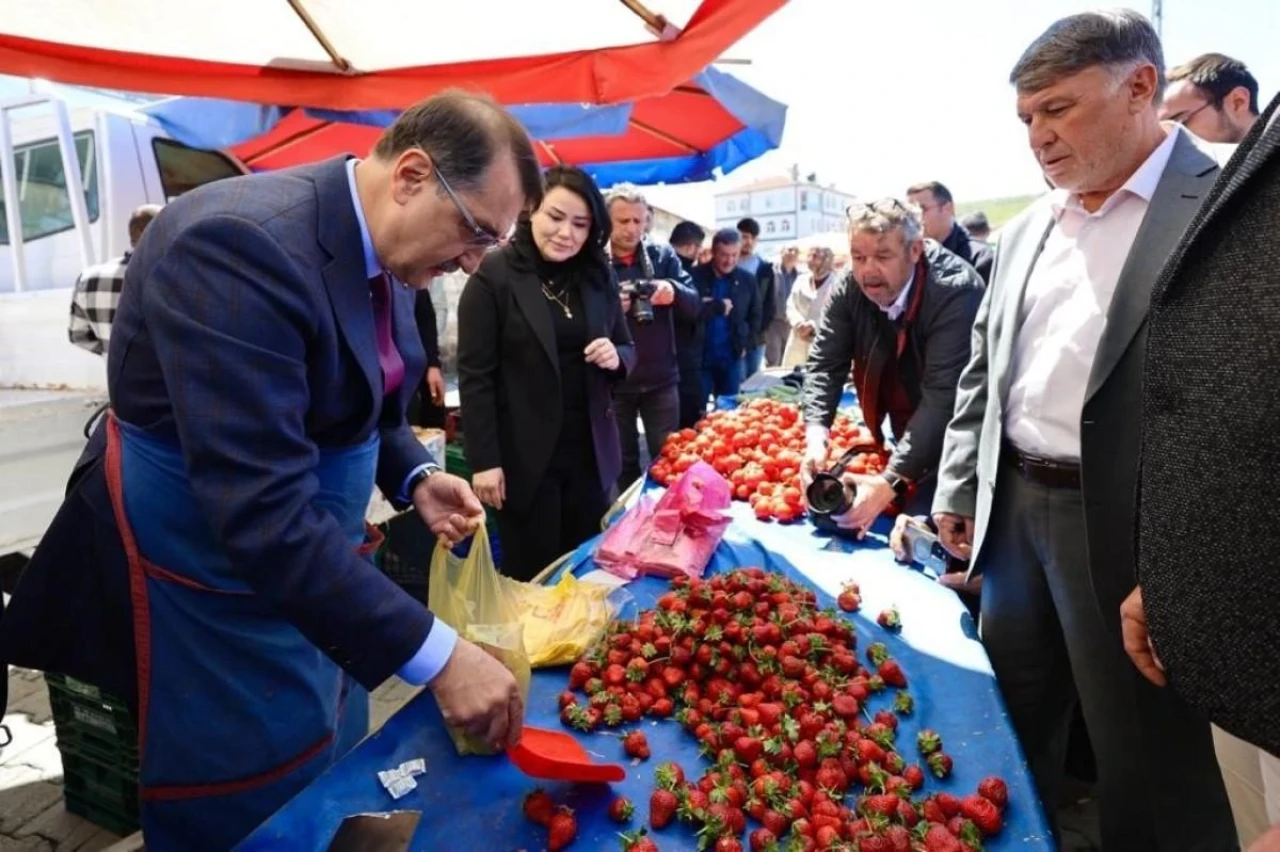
(827, 495)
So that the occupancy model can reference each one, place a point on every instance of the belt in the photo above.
(1041, 471)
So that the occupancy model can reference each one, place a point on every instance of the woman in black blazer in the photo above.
(541, 340)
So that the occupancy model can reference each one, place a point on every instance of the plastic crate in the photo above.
(106, 797)
(98, 739)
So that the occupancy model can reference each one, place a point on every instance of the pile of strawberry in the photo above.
(759, 448)
(776, 694)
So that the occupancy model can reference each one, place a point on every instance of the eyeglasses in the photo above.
(1185, 118)
(481, 237)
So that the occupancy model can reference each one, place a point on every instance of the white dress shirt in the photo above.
(900, 304)
(1064, 310)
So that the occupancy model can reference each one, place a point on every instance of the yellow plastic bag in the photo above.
(563, 620)
(484, 607)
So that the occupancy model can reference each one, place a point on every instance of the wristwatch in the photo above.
(419, 477)
(897, 483)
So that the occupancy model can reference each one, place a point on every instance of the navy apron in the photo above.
(237, 710)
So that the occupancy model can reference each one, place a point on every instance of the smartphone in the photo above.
(925, 550)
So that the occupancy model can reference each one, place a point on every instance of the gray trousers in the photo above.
(775, 341)
(1051, 645)
(660, 412)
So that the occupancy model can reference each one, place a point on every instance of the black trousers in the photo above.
(1052, 645)
(660, 411)
(566, 511)
(693, 402)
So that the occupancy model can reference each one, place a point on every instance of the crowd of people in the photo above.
(1054, 396)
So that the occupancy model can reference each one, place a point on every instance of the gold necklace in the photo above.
(561, 299)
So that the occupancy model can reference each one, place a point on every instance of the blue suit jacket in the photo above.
(745, 318)
(245, 333)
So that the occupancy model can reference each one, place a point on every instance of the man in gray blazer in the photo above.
(1039, 465)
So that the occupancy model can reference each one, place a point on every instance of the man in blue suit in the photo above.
(731, 313)
(262, 359)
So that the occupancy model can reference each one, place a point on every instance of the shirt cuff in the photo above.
(815, 435)
(404, 495)
(429, 660)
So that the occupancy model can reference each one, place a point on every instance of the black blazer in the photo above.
(745, 318)
(424, 314)
(509, 375)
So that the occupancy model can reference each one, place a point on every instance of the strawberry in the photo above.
(914, 776)
(615, 675)
(877, 653)
(931, 811)
(950, 804)
(728, 844)
(995, 791)
(985, 814)
(669, 776)
(891, 673)
(899, 836)
(849, 599)
(940, 764)
(889, 619)
(747, 748)
(662, 808)
(845, 706)
(874, 843)
(938, 839)
(903, 703)
(621, 810)
(828, 837)
(636, 745)
(538, 807)
(638, 841)
(566, 698)
(581, 672)
(928, 741)
(562, 830)
(884, 717)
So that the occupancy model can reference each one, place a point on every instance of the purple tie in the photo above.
(388, 356)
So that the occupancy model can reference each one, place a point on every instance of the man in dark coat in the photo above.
(1207, 541)
(938, 212)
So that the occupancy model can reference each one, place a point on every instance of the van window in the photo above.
(43, 201)
(183, 169)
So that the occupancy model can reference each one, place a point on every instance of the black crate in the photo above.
(98, 739)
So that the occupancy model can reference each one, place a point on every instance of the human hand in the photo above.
(956, 534)
(602, 353)
(435, 385)
(728, 306)
(873, 495)
(898, 536)
(491, 487)
(477, 694)
(664, 295)
(806, 330)
(1268, 842)
(815, 454)
(1137, 641)
(448, 506)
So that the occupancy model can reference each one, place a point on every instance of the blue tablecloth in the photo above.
(475, 803)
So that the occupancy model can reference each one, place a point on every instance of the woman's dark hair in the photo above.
(593, 257)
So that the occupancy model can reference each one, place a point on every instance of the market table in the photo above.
(475, 802)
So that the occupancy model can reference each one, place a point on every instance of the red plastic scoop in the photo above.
(555, 756)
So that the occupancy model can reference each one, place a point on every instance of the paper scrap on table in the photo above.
(399, 781)
(604, 578)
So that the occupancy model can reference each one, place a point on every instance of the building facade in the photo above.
(787, 209)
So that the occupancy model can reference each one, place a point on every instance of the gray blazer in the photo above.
(1109, 420)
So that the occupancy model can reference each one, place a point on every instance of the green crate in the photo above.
(105, 796)
(98, 739)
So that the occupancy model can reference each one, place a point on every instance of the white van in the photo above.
(77, 174)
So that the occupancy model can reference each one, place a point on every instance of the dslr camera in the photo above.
(641, 295)
(829, 496)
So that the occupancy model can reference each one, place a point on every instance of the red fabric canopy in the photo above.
(686, 120)
(597, 76)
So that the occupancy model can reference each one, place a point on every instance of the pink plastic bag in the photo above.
(675, 535)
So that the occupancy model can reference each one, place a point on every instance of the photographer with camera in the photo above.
(655, 290)
(903, 316)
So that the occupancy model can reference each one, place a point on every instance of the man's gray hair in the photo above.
(1118, 39)
(627, 192)
(881, 217)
